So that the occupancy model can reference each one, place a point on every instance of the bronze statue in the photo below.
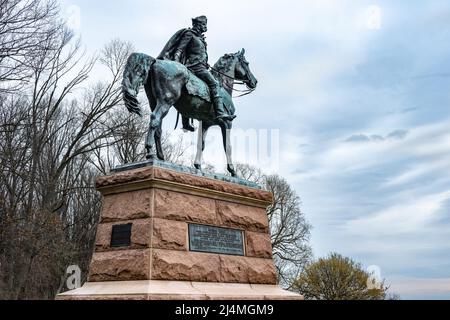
(188, 46)
(169, 83)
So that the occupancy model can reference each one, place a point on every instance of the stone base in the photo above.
(156, 261)
(176, 290)
(160, 204)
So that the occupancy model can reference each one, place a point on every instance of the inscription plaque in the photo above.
(121, 235)
(204, 238)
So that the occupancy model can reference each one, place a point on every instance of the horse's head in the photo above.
(242, 70)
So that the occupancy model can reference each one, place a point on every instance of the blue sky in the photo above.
(359, 93)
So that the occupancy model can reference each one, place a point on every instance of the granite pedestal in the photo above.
(161, 259)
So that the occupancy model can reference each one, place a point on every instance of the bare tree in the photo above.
(128, 138)
(250, 173)
(290, 232)
(175, 151)
(24, 24)
(49, 208)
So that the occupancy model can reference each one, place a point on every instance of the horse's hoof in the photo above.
(231, 170)
(150, 156)
(198, 166)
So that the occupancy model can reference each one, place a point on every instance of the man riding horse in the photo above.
(168, 84)
(188, 46)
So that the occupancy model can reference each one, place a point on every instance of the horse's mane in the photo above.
(223, 65)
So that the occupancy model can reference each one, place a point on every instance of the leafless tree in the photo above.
(24, 27)
(48, 131)
(127, 143)
(250, 173)
(290, 231)
(175, 151)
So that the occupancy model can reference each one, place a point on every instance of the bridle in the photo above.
(235, 81)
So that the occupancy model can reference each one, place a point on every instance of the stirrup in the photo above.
(188, 128)
(229, 117)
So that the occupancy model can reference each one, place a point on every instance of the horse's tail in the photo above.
(134, 76)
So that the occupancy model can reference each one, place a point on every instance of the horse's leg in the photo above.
(225, 126)
(155, 122)
(159, 150)
(200, 145)
(166, 90)
(158, 131)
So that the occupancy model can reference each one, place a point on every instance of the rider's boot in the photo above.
(220, 112)
(186, 125)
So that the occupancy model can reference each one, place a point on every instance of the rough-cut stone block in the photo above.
(124, 177)
(184, 207)
(247, 270)
(183, 265)
(169, 234)
(148, 174)
(120, 265)
(258, 245)
(212, 184)
(140, 235)
(242, 216)
(193, 266)
(103, 236)
(127, 206)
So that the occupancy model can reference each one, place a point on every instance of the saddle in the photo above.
(197, 87)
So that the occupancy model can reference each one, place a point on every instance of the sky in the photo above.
(352, 103)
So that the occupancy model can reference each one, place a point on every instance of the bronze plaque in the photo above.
(121, 235)
(204, 238)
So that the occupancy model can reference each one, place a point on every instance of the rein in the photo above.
(245, 92)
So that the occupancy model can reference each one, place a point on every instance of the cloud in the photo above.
(405, 217)
(396, 134)
(358, 138)
(376, 137)
(418, 171)
(421, 288)
(384, 203)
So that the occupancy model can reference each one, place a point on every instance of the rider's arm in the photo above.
(187, 36)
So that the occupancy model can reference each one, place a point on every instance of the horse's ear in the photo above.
(242, 51)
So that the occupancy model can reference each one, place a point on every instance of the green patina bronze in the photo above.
(180, 77)
(183, 169)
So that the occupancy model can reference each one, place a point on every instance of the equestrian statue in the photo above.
(180, 77)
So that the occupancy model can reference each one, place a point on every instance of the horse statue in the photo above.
(169, 83)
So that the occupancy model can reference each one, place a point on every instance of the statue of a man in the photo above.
(188, 46)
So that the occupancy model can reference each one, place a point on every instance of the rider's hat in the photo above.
(199, 19)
